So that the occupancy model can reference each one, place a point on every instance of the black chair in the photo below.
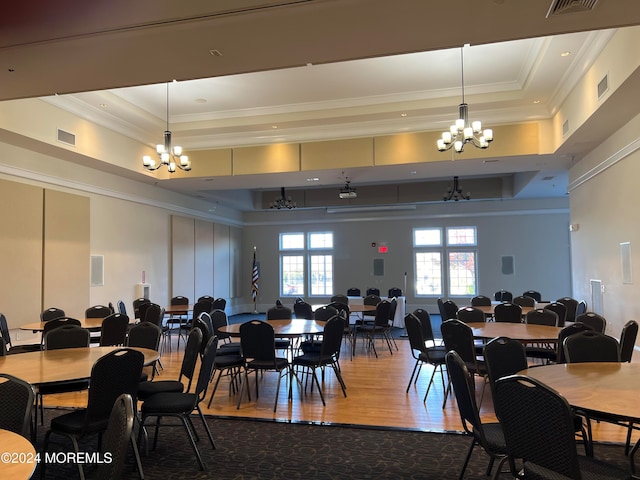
(507, 312)
(524, 301)
(259, 352)
(207, 298)
(303, 310)
(353, 292)
(219, 304)
(226, 346)
(537, 296)
(116, 438)
(16, 402)
(503, 296)
(145, 335)
(379, 327)
(51, 313)
(541, 351)
(371, 300)
(188, 367)
(97, 311)
(122, 307)
(448, 309)
(182, 405)
(229, 361)
(628, 340)
(539, 431)
(470, 315)
(373, 291)
(433, 355)
(3, 347)
(567, 331)
(6, 336)
(136, 306)
(458, 337)
(327, 356)
(488, 435)
(572, 306)
(322, 314)
(203, 305)
(595, 321)
(394, 292)
(427, 329)
(114, 330)
(480, 301)
(58, 322)
(340, 298)
(591, 346)
(280, 312)
(559, 309)
(177, 320)
(204, 323)
(112, 375)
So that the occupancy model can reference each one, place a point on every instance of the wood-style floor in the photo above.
(376, 395)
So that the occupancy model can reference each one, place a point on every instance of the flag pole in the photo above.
(255, 276)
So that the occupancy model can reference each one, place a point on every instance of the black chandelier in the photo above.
(455, 193)
(283, 201)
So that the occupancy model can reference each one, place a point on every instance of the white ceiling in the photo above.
(379, 93)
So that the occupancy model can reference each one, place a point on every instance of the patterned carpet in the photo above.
(250, 449)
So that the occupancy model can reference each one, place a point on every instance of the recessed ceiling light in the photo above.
(313, 179)
(413, 172)
(565, 54)
(103, 105)
(215, 53)
(274, 126)
(201, 100)
(536, 101)
(403, 114)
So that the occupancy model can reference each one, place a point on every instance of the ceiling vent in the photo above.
(603, 86)
(560, 7)
(66, 137)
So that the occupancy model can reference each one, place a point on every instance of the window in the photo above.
(306, 264)
(458, 274)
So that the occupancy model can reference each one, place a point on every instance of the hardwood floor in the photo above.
(375, 388)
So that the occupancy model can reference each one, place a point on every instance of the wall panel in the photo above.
(204, 258)
(182, 256)
(221, 261)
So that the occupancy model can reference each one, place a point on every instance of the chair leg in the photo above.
(190, 434)
(429, 385)
(136, 455)
(413, 372)
(466, 460)
(206, 427)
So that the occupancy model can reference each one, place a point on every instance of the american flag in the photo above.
(255, 276)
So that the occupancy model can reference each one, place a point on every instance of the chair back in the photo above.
(372, 299)
(201, 306)
(114, 330)
(136, 306)
(465, 392)
(58, 322)
(219, 319)
(628, 340)
(190, 358)
(541, 316)
(112, 375)
(595, 321)
(340, 307)
(503, 357)
(179, 300)
(257, 341)
(507, 312)
(560, 309)
(219, 304)
(332, 338)
(121, 307)
(392, 310)
(207, 298)
(279, 312)
(425, 322)
(145, 335)
(16, 401)
(325, 313)
(340, 298)
(537, 296)
(448, 309)
(591, 346)
(67, 336)
(303, 310)
(373, 291)
(458, 336)
(503, 296)
(524, 301)
(470, 315)
(572, 306)
(205, 324)
(538, 425)
(115, 439)
(353, 292)
(3, 347)
(97, 311)
(4, 330)
(394, 292)
(154, 313)
(206, 368)
(383, 310)
(51, 313)
(415, 333)
(567, 331)
(480, 301)
(581, 308)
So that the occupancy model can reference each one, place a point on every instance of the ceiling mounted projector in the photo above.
(348, 191)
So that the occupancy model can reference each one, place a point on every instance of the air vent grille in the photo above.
(565, 128)
(603, 86)
(66, 137)
(560, 7)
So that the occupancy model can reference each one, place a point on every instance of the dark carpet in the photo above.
(251, 449)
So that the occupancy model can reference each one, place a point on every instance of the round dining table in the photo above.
(284, 328)
(17, 456)
(523, 332)
(66, 364)
(88, 323)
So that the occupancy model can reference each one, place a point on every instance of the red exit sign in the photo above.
(383, 249)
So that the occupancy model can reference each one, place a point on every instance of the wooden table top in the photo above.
(60, 365)
(517, 331)
(612, 388)
(88, 323)
(178, 309)
(488, 309)
(284, 328)
(18, 456)
(353, 308)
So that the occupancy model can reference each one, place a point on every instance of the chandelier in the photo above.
(463, 131)
(170, 155)
(283, 201)
(455, 193)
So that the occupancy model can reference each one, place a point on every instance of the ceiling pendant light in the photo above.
(463, 131)
(455, 193)
(283, 201)
(170, 155)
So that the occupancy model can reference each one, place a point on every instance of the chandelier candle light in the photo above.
(463, 131)
(283, 201)
(171, 156)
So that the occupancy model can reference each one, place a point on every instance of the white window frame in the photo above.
(311, 269)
